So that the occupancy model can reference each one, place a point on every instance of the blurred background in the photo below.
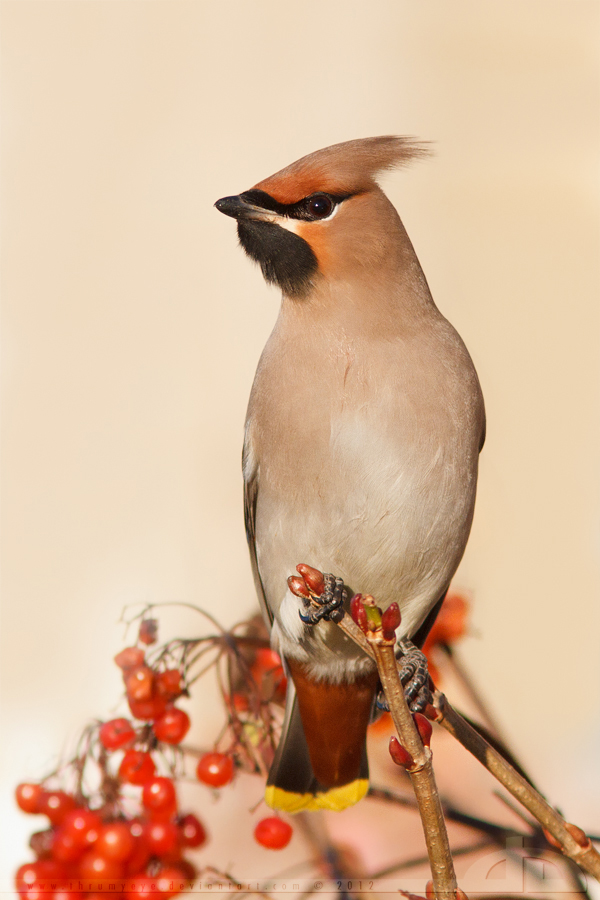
(132, 325)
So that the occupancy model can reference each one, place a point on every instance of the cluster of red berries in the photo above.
(89, 844)
(150, 695)
(84, 849)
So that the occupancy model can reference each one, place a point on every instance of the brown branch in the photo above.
(490, 729)
(377, 638)
(573, 842)
(570, 839)
(421, 772)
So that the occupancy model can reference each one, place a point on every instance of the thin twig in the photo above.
(573, 842)
(423, 860)
(471, 690)
(527, 820)
(497, 833)
(490, 729)
(328, 859)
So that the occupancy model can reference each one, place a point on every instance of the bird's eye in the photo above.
(319, 206)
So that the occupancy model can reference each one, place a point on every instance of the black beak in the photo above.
(238, 208)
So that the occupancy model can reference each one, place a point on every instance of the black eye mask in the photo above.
(310, 209)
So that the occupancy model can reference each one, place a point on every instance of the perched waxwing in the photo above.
(363, 433)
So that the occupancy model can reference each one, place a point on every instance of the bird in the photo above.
(362, 438)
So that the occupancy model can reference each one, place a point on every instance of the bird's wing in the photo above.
(250, 498)
(483, 431)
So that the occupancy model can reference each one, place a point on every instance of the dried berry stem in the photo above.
(573, 842)
(421, 773)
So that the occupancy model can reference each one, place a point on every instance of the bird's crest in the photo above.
(347, 168)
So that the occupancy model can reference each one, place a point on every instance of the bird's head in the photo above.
(323, 216)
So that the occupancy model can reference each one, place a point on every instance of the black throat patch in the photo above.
(285, 258)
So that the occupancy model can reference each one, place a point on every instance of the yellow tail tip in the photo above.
(336, 798)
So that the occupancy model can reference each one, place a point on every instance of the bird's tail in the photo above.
(321, 761)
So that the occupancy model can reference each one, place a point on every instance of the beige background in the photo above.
(132, 325)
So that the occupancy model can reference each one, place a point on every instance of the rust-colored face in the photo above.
(313, 217)
(280, 236)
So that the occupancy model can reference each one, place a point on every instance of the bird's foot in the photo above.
(414, 676)
(322, 595)
(328, 606)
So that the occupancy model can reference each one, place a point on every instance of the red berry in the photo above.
(160, 836)
(56, 805)
(148, 632)
(137, 767)
(172, 726)
(64, 893)
(101, 895)
(139, 683)
(97, 867)
(148, 709)
(170, 881)
(30, 877)
(141, 887)
(37, 891)
(137, 862)
(65, 846)
(84, 825)
(273, 833)
(191, 831)
(267, 660)
(49, 868)
(115, 841)
(451, 622)
(168, 683)
(140, 857)
(239, 702)
(215, 769)
(186, 868)
(116, 733)
(28, 797)
(158, 796)
(129, 658)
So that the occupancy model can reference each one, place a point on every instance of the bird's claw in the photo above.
(329, 605)
(414, 676)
